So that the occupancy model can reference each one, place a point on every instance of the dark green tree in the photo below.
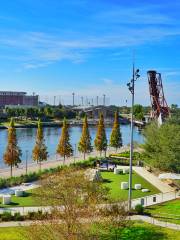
(162, 146)
(138, 111)
(12, 155)
(116, 138)
(64, 147)
(40, 152)
(100, 141)
(84, 145)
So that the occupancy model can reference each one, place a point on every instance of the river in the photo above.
(26, 139)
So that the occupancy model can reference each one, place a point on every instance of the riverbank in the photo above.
(34, 167)
(56, 123)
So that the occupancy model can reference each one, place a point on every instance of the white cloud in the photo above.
(114, 28)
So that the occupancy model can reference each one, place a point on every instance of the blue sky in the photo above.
(56, 47)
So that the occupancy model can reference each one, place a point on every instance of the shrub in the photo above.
(139, 209)
(6, 216)
(18, 217)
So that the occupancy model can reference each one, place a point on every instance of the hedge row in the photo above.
(136, 155)
(8, 216)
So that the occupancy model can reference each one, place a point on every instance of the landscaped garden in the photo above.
(167, 211)
(113, 181)
(110, 180)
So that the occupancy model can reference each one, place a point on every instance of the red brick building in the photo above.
(17, 98)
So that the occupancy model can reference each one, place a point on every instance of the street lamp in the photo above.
(74, 153)
(26, 161)
(130, 85)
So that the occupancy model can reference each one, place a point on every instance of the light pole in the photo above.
(74, 153)
(104, 99)
(73, 94)
(26, 161)
(131, 89)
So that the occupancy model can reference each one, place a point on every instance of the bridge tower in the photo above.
(160, 109)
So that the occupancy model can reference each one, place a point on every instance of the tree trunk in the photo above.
(64, 159)
(11, 170)
(40, 166)
(107, 164)
(84, 155)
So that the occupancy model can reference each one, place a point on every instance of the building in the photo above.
(8, 98)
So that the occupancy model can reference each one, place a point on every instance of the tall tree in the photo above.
(100, 141)
(12, 155)
(84, 145)
(162, 146)
(64, 147)
(116, 138)
(40, 152)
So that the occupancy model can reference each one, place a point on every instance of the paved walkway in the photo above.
(147, 219)
(52, 163)
(33, 167)
(154, 180)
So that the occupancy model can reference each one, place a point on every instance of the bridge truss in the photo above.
(160, 109)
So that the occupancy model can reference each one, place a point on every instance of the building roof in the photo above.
(12, 93)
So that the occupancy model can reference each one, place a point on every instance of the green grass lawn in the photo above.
(110, 180)
(113, 181)
(138, 231)
(27, 200)
(167, 211)
(13, 233)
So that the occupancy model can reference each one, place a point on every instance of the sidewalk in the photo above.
(154, 180)
(146, 219)
(34, 167)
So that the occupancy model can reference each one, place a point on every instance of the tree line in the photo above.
(12, 155)
(45, 113)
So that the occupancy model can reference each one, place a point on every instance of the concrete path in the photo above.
(52, 163)
(34, 167)
(147, 219)
(154, 180)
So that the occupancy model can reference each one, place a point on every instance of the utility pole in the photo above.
(54, 100)
(82, 101)
(130, 85)
(59, 100)
(73, 94)
(104, 99)
(97, 101)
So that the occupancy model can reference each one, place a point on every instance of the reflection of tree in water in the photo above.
(56, 131)
(48, 131)
(26, 133)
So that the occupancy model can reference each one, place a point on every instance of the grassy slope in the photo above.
(138, 231)
(27, 200)
(113, 181)
(172, 208)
